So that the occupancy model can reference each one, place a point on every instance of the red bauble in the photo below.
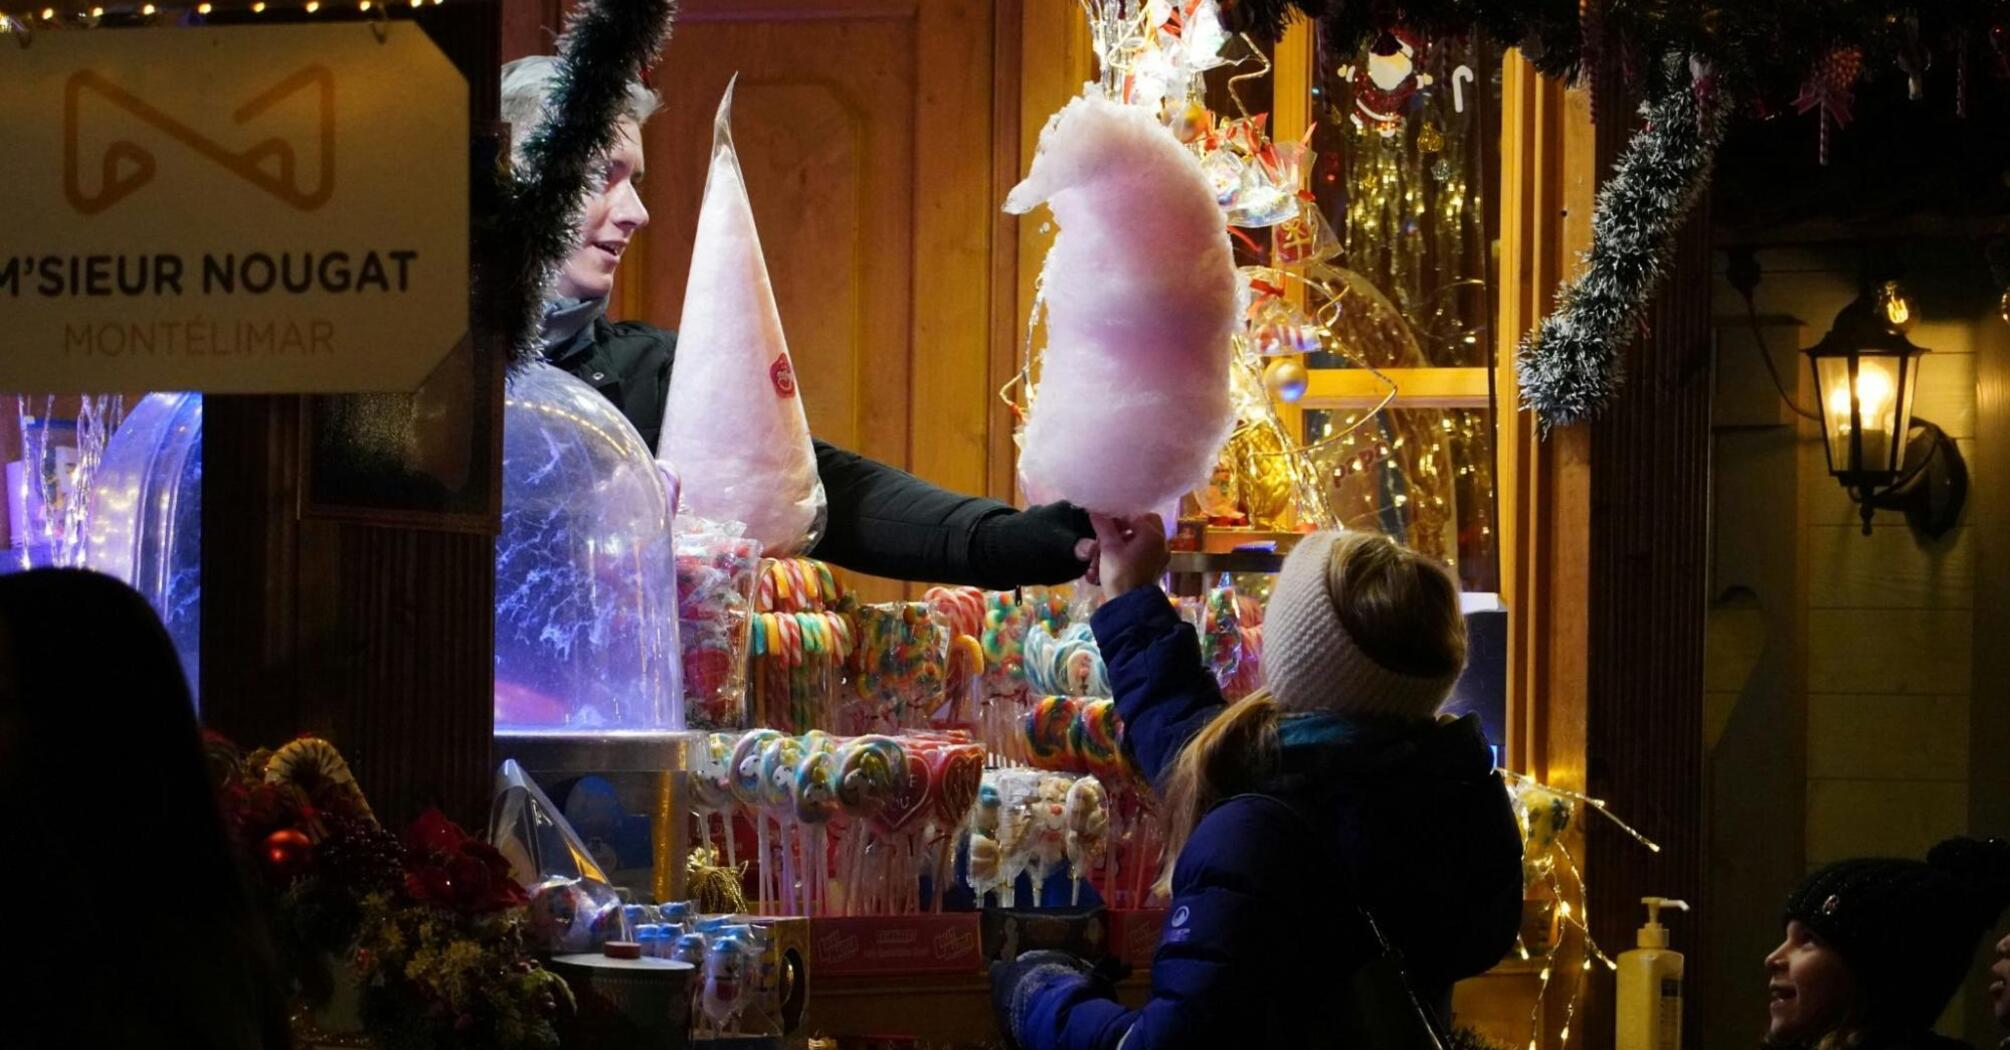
(287, 853)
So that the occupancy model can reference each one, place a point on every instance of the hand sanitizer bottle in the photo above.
(1650, 987)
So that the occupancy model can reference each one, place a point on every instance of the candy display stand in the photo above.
(588, 677)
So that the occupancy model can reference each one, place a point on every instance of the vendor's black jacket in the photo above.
(882, 521)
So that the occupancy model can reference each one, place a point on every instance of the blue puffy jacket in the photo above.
(1262, 931)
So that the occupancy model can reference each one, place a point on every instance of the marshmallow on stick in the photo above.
(1133, 401)
(734, 429)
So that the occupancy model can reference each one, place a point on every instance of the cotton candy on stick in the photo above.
(734, 428)
(1133, 404)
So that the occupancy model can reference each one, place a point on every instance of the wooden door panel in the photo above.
(824, 126)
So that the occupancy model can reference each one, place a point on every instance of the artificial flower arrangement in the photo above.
(427, 926)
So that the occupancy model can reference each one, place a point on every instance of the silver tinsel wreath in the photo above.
(1569, 367)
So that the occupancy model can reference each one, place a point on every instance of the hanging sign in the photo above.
(269, 209)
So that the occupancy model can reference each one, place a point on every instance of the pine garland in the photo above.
(1769, 46)
(1569, 367)
(534, 207)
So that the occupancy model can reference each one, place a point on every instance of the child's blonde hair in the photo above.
(1401, 610)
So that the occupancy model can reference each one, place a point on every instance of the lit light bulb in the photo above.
(97, 12)
(148, 10)
(1874, 392)
(203, 9)
(1897, 306)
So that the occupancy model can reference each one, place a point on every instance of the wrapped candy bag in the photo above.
(573, 904)
(899, 666)
(734, 428)
(716, 572)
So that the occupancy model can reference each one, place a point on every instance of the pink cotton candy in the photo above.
(1133, 401)
(734, 430)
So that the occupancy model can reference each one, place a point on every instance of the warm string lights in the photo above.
(1544, 813)
(95, 17)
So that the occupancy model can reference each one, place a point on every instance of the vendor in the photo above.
(882, 521)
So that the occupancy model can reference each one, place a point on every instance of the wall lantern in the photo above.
(1866, 372)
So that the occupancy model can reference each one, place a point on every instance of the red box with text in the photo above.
(893, 945)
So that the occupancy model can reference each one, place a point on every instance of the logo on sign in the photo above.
(271, 163)
(783, 375)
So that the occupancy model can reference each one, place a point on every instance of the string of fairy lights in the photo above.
(24, 25)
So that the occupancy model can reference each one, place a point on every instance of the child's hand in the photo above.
(1130, 552)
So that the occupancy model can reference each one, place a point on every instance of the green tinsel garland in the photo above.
(533, 210)
(1569, 367)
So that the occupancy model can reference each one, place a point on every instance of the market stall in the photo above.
(635, 760)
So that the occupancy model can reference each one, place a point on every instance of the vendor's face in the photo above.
(612, 214)
(1812, 989)
(1999, 984)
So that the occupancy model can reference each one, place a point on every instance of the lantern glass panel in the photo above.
(1883, 393)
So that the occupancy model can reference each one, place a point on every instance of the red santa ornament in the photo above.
(1385, 82)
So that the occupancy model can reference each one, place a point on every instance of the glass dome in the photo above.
(586, 603)
(145, 520)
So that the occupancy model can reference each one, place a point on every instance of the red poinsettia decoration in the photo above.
(448, 868)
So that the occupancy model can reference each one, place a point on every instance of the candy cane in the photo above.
(1462, 73)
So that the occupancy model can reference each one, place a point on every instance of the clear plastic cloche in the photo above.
(145, 518)
(586, 602)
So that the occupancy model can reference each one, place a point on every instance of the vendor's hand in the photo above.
(1130, 552)
(1048, 544)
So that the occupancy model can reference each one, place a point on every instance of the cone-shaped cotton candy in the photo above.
(734, 430)
(1133, 403)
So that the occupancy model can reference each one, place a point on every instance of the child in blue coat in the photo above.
(1335, 789)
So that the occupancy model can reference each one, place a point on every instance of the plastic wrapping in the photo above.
(573, 904)
(586, 606)
(1067, 664)
(146, 515)
(734, 428)
(898, 667)
(1038, 824)
(717, 569)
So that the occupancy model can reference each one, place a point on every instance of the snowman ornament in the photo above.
(1384, 84)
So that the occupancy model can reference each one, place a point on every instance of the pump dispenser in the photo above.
(1650, 986)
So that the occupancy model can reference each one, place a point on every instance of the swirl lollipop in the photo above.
(814, 795)
(869, 767)
(746, 770)
(747, 783)
(1096, 736)
(1047, 729)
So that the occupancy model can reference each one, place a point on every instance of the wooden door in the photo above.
(865, 131)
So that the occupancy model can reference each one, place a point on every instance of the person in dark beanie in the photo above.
(1876, 947)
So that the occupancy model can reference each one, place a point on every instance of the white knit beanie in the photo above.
(1310, 662)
